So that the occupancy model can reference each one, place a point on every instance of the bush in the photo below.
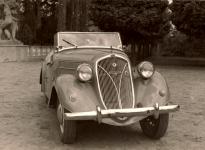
(24, 34)
(189, 17)
(135, 20)
(183, 46)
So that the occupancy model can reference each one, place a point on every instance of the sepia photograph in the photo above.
(102, 74)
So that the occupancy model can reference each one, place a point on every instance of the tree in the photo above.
(189, 17)
(139, 21)
(142, 19)
(35, 15)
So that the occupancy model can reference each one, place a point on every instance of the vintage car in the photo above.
(89, 77)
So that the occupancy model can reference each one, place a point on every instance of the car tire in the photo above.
(40, 78)
(67, 127)
(155, 128)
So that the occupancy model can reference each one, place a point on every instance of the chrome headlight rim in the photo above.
(84, 72)
(146, 74)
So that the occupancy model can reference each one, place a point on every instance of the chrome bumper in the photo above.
(99, 114)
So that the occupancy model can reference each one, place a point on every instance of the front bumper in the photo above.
(99, 114)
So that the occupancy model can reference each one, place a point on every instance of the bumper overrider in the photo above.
(100, 114)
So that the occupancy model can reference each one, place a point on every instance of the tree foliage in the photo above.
(189, 17)
(39, 18)
(134, 19)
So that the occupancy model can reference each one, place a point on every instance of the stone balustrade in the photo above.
(19, 53)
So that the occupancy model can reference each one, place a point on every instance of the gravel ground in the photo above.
(27, 124)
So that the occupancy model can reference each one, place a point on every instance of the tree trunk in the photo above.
(62, 15)
(133, 53)
(156, 50)
(38, 14)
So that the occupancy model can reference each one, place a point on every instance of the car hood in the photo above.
(86, 55)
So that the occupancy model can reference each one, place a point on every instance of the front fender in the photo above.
(151, 91)
(74, 95)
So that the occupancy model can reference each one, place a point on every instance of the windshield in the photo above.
(71, 39)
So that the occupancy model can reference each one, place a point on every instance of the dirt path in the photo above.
(27, 124)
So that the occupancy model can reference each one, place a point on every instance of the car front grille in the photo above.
(115, 85)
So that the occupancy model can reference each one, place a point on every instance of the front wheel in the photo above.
(155, 128)
(67, 127)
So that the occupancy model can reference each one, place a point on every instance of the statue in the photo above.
(8, 23)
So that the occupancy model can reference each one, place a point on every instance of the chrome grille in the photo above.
(115, 83)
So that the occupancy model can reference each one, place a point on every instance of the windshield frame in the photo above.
(58, 38)
(91, 47)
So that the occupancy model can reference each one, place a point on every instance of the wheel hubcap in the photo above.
(60, 113)
(60, 117)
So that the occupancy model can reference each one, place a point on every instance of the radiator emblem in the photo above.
(114, 65)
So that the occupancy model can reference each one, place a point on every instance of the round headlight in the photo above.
(84, 72)
(146, 69)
